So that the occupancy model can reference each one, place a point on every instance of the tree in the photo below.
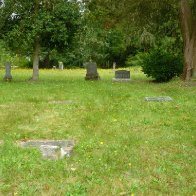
(188, 20)
(151, 14)
(36, 26)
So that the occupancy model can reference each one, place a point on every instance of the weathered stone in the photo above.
(92, 73)
(114, 66)
(50, 149)
(61, 66)
(66, 151)
(122, 76)
(49, 152)
(8, 76)
(158, 99)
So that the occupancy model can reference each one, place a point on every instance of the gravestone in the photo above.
(50, 149)
(114, 66)
(91, 71)
(61, 66)
(49, 152)
(8, 76)
(122, 76)
(158, 99)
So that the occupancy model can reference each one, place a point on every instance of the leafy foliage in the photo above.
(161, 63)
(54, 23)
(136, 60)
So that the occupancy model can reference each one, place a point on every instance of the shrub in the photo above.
(161, 65)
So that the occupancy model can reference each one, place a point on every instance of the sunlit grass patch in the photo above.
(124, 145)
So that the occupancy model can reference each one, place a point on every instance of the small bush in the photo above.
(161, 65)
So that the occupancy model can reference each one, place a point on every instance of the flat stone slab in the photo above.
(121, 80)
(158, 99)
(63, 102)
(50, 149)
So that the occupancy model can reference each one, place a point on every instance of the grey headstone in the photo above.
(122, 76)
(61, 66)
(159, 99)
(91, 69)
(8, 76)
(114, 66)
(51, 149)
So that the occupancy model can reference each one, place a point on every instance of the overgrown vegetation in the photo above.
(124, 145)
(161, 66)
(76, 31)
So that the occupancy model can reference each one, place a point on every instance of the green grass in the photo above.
(124, 145)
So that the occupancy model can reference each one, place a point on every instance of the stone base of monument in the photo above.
(121, 80)
(92, 77)
(50, 149)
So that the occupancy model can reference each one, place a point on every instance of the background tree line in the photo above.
(127, 32)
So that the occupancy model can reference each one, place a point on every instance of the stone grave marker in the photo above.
(122, 76)
(91, 71)
(49, 152)
(114, 66)
(158, 99)
(61, 66)
(8, 76)
(50, 149)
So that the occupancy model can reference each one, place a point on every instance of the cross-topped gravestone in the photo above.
(91, 71)
(8, 76)
(122, 76)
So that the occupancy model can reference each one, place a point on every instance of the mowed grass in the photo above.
(124, 145)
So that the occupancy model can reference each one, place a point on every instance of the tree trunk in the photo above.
(190, 59)
(189, 37)
(194, 57)
(35, 75)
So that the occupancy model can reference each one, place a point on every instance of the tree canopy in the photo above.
(106, 31)
(40, 26)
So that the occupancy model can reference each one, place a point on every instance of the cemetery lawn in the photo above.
(124, 145)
